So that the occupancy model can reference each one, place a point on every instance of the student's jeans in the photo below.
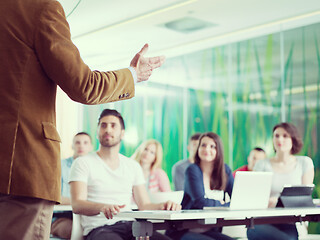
(205, 236)
(119, 231)
(273, 232)
(211, 234)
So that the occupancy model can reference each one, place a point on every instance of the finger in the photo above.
(106, 213)
(156, 62)
(173, 207)
(162, 206)
(169, 205)
(144, 76)
(144, 49)
(117, 208)
(135, 60)
(109, 213)
(114, 210)
(176, 207)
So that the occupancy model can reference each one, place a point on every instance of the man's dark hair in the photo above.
(259, 149)
(195, 137)
(112, 112)
(83, 133)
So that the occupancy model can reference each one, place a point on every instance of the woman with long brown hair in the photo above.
(206, 183)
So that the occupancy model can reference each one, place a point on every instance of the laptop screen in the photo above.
(251, 190)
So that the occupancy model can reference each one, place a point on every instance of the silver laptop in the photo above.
(251, 190)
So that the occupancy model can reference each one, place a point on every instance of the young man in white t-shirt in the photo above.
(103, 183)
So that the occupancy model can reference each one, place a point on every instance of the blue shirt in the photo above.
(65, 170)
(194, 192)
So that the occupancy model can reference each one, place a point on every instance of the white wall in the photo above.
(69, 121)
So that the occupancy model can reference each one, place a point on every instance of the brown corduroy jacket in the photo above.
(36, 55)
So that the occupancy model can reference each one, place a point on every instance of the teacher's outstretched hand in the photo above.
(143, 65)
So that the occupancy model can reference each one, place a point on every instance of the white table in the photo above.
(147, 221)
(62, 211)
(62, 208)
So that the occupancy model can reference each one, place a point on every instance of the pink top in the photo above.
(158, 181)
(243, 168)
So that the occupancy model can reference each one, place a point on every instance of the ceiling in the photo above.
(109, 32)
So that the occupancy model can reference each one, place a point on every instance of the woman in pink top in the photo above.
(149, 155)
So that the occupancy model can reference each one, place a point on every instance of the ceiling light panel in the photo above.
(188, 25)
(98, 14)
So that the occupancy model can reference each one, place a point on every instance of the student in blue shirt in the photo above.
(62, 225)
(207, 181)
(179, 168)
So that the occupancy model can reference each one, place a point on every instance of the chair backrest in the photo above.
(159, 197)
(77, 231)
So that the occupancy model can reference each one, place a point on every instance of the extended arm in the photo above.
(62, 63)
(80, 204)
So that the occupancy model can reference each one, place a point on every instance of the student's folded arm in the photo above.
(142, 198)
(195, 189)
(79, 202)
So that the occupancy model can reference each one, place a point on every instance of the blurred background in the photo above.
(236, 68)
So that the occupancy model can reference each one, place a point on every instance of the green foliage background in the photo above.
(240, 91)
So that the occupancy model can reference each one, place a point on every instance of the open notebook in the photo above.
(251, 190)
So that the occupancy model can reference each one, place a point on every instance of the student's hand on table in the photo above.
(272, 202)
(109, 210)
(143, 65)
(169, 205)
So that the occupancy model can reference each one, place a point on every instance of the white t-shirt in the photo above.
(294, 177)
(214, 194)
(106, 185)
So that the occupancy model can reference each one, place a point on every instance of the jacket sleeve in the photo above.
(61, 62)
(230, 181)
(195, 189)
